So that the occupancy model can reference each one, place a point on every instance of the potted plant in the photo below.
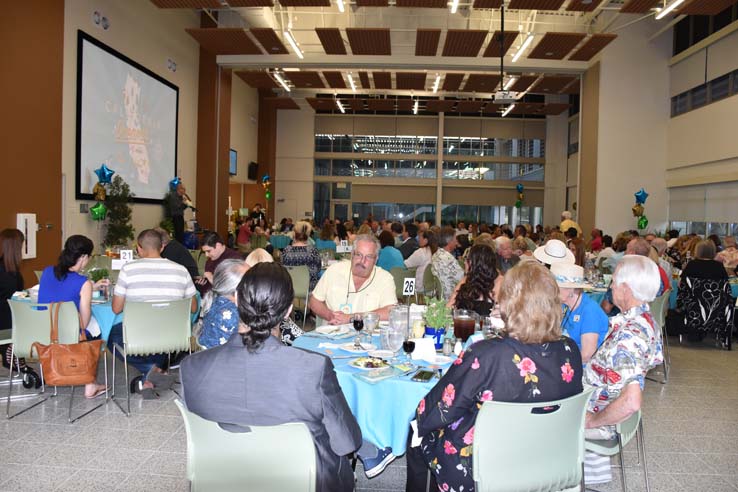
(437, 316)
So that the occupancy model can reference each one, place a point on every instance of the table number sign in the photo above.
(408, 286)
(343, 247)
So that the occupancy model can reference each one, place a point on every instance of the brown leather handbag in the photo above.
(67, 364)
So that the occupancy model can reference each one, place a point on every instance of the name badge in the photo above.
(345, 308)
(576, 318)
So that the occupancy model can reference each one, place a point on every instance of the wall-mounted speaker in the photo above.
(253, 171)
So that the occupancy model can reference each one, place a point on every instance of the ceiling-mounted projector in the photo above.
(505, 97)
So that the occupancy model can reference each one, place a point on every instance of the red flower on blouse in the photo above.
(449, 448)
(448, 395)
(567, 373)
(421, 407)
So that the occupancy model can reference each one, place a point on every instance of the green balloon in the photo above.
(268, 194)
(98, 211)
(642, 222)
(518, 203)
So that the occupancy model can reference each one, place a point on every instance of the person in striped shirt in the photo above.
(150, 278)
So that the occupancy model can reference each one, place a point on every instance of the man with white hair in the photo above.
(443, 264)
(355, 286)
(618, 369)
(505, 257)
(567, 222)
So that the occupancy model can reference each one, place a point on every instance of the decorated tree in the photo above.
(117, 201)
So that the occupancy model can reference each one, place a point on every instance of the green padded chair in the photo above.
(200, 259)
(278, 458)
(32, 323)
(399, 275)
(549, 434)
(624, 432)
(658, 309)
(152, 328)
(301, 284)
(38, 274)
(432, 286)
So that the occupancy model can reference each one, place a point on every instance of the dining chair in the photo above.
(432, 286)
(301, 284)
(200, 259)
(152, 327)
(624, 432)
(658, 309)
(399, 275)
(266, 458)
(38, 274)
(549, 434)
(32, 323)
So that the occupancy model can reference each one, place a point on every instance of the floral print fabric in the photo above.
(447, 269)
(501, 369)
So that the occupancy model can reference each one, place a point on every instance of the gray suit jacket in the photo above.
(274, 385)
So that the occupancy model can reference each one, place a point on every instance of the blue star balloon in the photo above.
(265, 178)
(104, 174)
(519, 187)
(641, 196)
(174, 183)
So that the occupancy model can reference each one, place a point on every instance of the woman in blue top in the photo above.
(63, 282)
(583, 321)
(389, 256)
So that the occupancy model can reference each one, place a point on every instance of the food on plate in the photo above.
(370, 363)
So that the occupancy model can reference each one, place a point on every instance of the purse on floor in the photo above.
(67, 364)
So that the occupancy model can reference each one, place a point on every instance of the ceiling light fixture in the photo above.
(352, 83)
(525, 45)
(509, 108)
(415, 107)
(510, 82)
(339, 3)
(340, 106)
(665, 11)
(281, 81)
(436, 83)
(293, 43)
(454, 6)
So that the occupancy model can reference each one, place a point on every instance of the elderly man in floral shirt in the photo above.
(618, 368)
(443, 263)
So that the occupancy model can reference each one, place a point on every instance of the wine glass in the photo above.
(358, 323)
(408, 346)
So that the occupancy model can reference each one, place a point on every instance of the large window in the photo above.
(400, 212)
(694, 28)
(495, 214)
(714, 90)
(492, 172)
(704, 228)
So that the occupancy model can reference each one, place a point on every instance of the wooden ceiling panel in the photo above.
(440, 105)
(250, 3)
(572, 88)
(269, 40)
(535, 4)
(554, 109)
(282, 102)
(583, 5)
(225, 41)
(369, 41)
(492, 108)
(322, 103)
(527, 108)
(487, 4)
(426, 42)
(305, 80)
(523, 83)
(355, 104)
(364, 78)
(258, 80)
(305, 3)
(452, 82)
(704, 7)
(405, 104)
(469, 106)
(552, 84)
(592, 46)
(481, 82)
(463, 42)
(331, 40)
(556, 45)
(638, 6)
(493, 48)
(187, 4)
(382, 80)
(423, 4)
(410, 81)
(380, 104)
(335, 80)
(372, 3)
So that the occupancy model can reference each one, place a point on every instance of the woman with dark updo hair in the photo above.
(478, 290)
(253, 379)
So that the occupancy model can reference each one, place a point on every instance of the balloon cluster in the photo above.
(521, 196)
(638, 209)
(266, 182)
(104, 175)
(174, 183)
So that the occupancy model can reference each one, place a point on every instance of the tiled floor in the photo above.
(691, 428)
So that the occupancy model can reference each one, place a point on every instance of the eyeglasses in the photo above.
(361, 257)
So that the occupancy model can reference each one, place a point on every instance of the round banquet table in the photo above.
(384, 409)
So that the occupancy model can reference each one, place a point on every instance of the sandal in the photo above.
(160, 380)
(99, 392)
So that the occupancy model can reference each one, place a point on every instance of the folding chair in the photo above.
(301, 284)
(658, 309)
(152, 328)
(399, 275)
(268, 459)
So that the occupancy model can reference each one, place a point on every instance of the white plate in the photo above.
(349, 347)
(334, 330)
(441, 360)
(382, 354)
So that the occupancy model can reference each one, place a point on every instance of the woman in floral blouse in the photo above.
(532, 362)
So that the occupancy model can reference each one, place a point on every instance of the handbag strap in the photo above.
(54, 317)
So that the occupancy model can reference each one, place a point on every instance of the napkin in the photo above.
(329, 345)
(377, 375)
(334, 331)
(425, 349)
